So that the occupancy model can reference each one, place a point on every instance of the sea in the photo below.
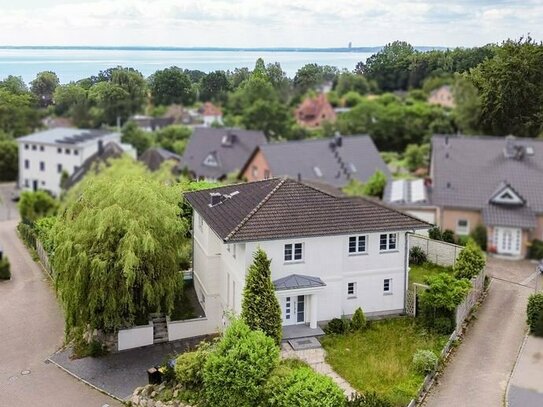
(72, 63)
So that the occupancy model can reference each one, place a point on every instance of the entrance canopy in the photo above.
(297, 281)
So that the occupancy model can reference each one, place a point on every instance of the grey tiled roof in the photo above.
(467, 171)
(64, 135)
(206, 140)
(283, 208)
(357, 156)
(295, 281)
(513, 216)
(154, 157)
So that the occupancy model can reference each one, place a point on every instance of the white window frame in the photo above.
(351, 289)
(389, 291)
(462, 230)
(293, 252)
(391, 238)
(357, 240)
(200, 220)
(254, 171)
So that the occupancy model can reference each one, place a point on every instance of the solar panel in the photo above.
(397, 190)
(418, 193)
(317, 171)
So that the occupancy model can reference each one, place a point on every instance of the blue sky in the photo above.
(267, 23)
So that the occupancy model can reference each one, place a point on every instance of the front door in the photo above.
(508, 240)
(294, 310)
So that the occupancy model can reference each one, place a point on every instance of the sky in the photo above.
(267, 23)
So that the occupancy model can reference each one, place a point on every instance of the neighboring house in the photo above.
(180, 115)
(213, 153)
(412, 197)
(45, 155)
(104, 153)
(210, 114)
(442, 96)
(312, 112)
(150, 123)
(52, 122)
(330, 255)
(155, 156)
(334, 161)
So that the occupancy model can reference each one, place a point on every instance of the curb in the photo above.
(521, 348)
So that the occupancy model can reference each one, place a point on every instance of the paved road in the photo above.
(31, 330)
(8, 208)
(526, 385)
(478, 372)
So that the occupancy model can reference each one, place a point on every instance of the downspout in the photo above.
(405, 265)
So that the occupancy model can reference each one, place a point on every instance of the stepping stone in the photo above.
(305, 343)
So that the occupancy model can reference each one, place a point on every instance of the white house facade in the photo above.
(322, 268)
(45, 155)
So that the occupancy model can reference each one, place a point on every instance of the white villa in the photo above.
(45, 155)
(330, 254)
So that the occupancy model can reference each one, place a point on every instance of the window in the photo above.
(388, 241)
(211, 160)
(67, 151)
(27, 164)
(351, 290)
(34, 147)
(387, 286)
(294, 252)
(462, 227)
(26, 146)
(76, 152)
(232, 249)
(200, 221)
(254, 171)
(59, 150)
(42, 166)
(357, 244)
(42, 148)
(59, 168)
(27, 183)
(43, 183)
(266, 174)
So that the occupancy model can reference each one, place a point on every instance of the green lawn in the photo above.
(418, 273)
(379, 358)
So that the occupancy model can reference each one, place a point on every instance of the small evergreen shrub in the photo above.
(368, 400)
(417, 256)
(448, 236)
(443, 325)
(358, 322)
(424, 361)
(5, 272)
(479, 236)
(471, 261)
(536, 250)
(189, 366)
(534, 313)
(337, 326)
(435, 233)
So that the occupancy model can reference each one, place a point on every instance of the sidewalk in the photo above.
(526, 385)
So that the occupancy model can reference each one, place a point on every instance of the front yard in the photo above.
(379, 358)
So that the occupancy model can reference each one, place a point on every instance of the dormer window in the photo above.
(211, 160)
(507, 196)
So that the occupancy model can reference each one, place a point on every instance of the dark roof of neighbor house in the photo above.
(110, 150)
(513, 216)
(227, 148)
(283, 208)
(151, 122)
(65, 135)
(154, 157)
(333, 161)
(295, 281)
(467, 172)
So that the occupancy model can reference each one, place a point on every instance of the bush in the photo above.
(27, 233)
(471, 261)
(358, 322)
(35, 205)
(189, 367)
(237, 368)
(435, 233)
(536, 250)
(479, 236)
(417, 256)
(448, 236)
(5, 273)
(368, 400)
(443, 325)
(424, 361)
(534, 313)
(301, 386)
(337, 326)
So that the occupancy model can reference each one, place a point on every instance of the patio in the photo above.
(300, 331)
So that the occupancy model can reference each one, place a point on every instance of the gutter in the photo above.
(405, 265)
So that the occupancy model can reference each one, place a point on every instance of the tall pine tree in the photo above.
(260, 308)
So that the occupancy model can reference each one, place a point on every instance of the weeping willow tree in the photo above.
(117, 247)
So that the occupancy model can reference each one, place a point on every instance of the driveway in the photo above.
(31, 330)
(478, 371)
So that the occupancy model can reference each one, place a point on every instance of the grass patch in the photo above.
(418, 273)
(379, 359)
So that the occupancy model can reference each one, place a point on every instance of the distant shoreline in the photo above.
(205, 49)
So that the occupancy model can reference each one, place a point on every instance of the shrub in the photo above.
(536, 250)
(301, 386)
(443, 325)
(27, 233)
(435, 233)
(368, 400)
(337, 326)
(5, 273)
(424, 361)
(534, 313)
(417, 256)
(189, 366)
(448, 236)
(358, 322)
(479, 236)
(35, 205)
(237, 368)
(471, 261)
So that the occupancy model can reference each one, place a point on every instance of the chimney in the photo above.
(215, 198)
(299, 177)
(338, 139)
(100, 147)
(446, 140)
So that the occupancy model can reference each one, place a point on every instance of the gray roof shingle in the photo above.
(513, 216)
(283, 208)
(295, 281)
(207, 141)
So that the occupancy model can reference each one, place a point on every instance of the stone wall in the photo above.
(438, 252)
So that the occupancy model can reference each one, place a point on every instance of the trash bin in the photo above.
(154, 376)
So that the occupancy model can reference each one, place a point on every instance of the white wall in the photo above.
(135, 337)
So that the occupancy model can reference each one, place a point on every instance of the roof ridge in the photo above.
(310, 140)
(255, 209)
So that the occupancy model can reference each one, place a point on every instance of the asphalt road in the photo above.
(478, 371)
(31, 329)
